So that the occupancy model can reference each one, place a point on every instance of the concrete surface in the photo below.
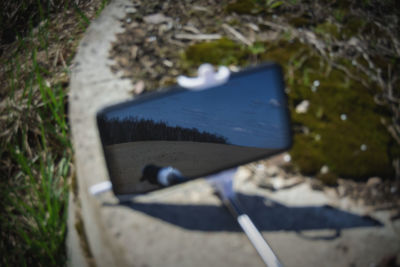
(186, 225)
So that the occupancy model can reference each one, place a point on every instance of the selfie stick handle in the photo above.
(222, 182)
(254, 235)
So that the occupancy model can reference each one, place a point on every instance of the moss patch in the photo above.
(328, 29)
(253, 6)
(243, 7)
(219, 52)
(342, 128)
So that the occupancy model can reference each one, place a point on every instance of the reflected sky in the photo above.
(248, 110)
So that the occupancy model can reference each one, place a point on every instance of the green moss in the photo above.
(219, 52)
(330, 140)
(328, 29)
(253, 6)
(306, 154)
(358, 147)
(340, 14)
(243, 7)
(300, 22)
(352, 27)
(328, 178)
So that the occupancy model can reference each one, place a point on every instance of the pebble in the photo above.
(303, 107)
(343, 117)
(324, 169)
(130, 9)
(287, 158)
(152, 39)
(363, 147)
(374, 181)
(157, 18)
(272, 171)
(317, 185)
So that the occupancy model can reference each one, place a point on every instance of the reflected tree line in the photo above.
(131, 129)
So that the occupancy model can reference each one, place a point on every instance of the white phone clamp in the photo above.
(207, 78)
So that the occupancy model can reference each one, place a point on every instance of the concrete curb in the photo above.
(93, 85)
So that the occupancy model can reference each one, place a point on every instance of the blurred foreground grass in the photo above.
(39, 39)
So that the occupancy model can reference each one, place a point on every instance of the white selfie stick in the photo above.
(222, 182)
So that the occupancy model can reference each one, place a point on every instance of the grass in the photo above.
(35, 149)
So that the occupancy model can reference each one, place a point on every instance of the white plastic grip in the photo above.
(164, 174)
(207, 78)
(100, 188)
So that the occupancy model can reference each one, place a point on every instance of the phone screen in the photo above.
(196, 132)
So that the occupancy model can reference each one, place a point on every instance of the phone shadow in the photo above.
(266, 214)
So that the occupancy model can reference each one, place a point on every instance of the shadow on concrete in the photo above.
(267, 215)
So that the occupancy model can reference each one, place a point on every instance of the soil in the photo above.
(155, 48)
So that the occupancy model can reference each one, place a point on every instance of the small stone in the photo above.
(317, 185)
(253, 26)
(272, 171)
(374, 181)
(151, 39)
(303, 107)
(354, 41)
(393, 189)
(168, 63)
(157, 18)
(343, 117)
(139, 87)
(363, 147)
(324, 169)
(130, 9)
(316, 83)
(266, 185)
(260, 167)
(123, 61)
(134, 49)
(287, 158)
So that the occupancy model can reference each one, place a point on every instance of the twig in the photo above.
(237, 34)
(274, 25)
(191, 29)
(187, 36)
(63, 61)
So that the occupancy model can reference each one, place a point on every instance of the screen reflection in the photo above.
(196, 132)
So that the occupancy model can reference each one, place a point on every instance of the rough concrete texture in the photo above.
(186, 225)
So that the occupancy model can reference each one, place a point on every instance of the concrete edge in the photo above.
(92, 86)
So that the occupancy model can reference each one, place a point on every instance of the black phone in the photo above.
(195, 133)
